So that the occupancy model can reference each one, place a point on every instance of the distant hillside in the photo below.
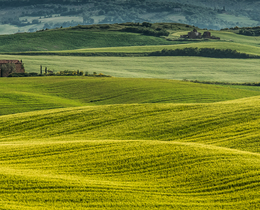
(128, 39)
(74, 39)
(33, 15)
(92, 36)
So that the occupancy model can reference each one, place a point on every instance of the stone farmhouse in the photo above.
(197, 35)
(6, 70)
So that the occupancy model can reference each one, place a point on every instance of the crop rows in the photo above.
(43, 93)
(127, 174)
(125, 143)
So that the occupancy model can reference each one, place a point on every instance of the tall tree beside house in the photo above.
(40, 69)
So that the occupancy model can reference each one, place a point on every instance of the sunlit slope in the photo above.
(119, 44)
(73, 39)
(232, 124)
(237, 38)
(227, 36)
(126, 175)
(144, 50)
(42, 93)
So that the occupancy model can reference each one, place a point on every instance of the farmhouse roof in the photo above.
(9, 61)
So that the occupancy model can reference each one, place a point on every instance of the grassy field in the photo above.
(43, 93)
(136, 140)
(73, 39)
(231, 124)
(178, 68)
(142, 144)
(82, 40)
(127, 175)
(114, 157)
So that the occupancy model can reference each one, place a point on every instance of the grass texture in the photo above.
(43, 93)
(232, 124)
(138, 156)
(178, 68)
(126, 143)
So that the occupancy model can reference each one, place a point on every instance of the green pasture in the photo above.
(43, 93)
(126, 175)
(141, 156)
(145, 138)
(226, 36)
(177, 68)
(237, 38)
(230, 124)
(64, 39)
(67, 39)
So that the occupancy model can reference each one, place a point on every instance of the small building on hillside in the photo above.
(206, 34)
(192, 35)
(8, 67)
(196, 35)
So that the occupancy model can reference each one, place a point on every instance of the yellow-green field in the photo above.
(151, 156)
(142, 139)
(43, 93)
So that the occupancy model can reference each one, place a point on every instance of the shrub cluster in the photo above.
(80, 73)
(224, 83)
(147, 31)
(69, 73)
(250, 32)
(31, 74)
(61, 73)
(205, 52)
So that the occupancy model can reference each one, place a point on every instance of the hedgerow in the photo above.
(205, 52)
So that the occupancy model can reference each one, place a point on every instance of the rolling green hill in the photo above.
(82, 39)
(111, 157)
(96, 41)
(42, 93)
(231, 124)
(73, 39)
(141, 141)
(127, 175)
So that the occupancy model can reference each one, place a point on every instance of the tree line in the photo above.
(146, 29)
(205, 52)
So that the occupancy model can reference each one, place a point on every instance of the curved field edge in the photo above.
(123, 44)
(42, 93)
(145, 50)
(232, 124)
(126, 174)
(73, 39)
